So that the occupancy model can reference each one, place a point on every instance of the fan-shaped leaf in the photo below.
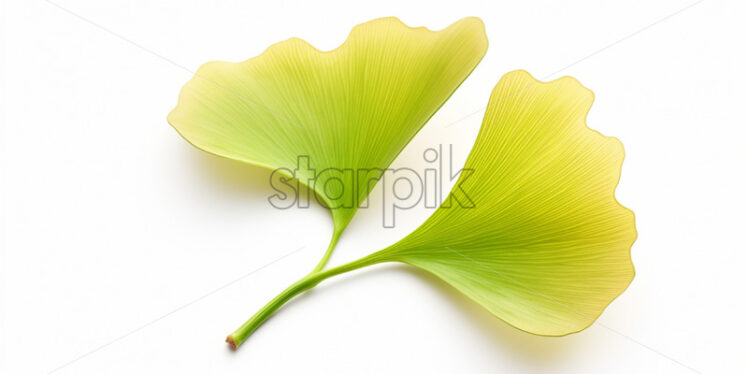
(546, 246)
(349, 109)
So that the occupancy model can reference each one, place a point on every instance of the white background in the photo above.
(126, 250)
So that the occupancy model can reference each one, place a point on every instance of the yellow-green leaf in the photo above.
(352, 108)
(546, 246)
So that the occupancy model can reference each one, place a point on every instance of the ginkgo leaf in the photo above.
(533, 233)
(318, 116)
(546, 246)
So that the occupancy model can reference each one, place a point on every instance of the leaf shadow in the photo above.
(506, 337)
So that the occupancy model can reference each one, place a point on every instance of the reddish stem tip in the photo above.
(231, 341)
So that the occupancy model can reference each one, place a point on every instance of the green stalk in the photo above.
(312, 279)
(330, 248)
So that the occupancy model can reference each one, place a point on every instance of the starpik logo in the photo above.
(346, 188)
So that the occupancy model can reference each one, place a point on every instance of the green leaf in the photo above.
(546, 246)
(533, 233)
(352, 108)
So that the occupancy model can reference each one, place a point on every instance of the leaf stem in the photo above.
(334, 241)
(312, 279)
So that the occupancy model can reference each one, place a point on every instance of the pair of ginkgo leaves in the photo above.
(544, 246)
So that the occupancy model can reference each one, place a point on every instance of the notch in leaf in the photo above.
(546, 246)
(352, 108)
